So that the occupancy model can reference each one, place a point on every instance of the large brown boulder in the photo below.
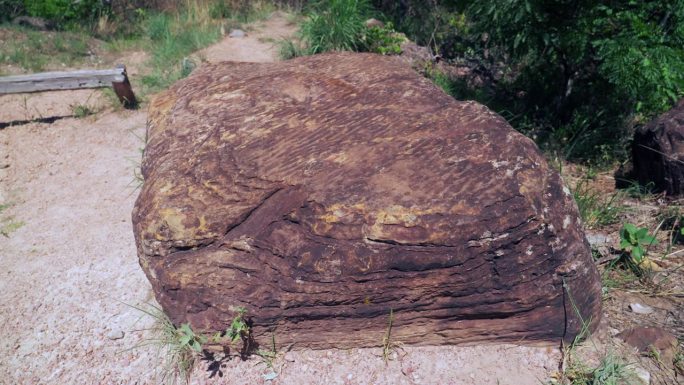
(658, 152)
(324, 192)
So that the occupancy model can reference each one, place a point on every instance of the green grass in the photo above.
(172, 38)
(611, 369)
(35, 51)
(179, 347)
(597, 209)
(169, 38)
(8, 224)
(335, 25)
(388, 345)
(290, 49)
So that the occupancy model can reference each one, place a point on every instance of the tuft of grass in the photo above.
(35, 51)
(82, 110)
(290, 49)
(336, 25)
(595, 208)
(611, 370)
(180, 346)
(442, 81)
(389, 346)
(172, 39)
(7, 223)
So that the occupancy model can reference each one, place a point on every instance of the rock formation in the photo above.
(658, 152)
(324, 192)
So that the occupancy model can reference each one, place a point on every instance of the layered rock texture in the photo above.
(658, 152)
(324, 192)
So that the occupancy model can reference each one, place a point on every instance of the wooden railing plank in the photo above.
(69, 80)
(60, 80)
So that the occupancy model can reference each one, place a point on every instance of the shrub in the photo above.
(65, 11)
(10, 9)
(383, 40)
(576, 75)
(336, 25)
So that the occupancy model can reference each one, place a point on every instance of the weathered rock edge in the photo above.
(323, 192)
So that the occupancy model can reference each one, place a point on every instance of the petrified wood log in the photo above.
(323, 192)
(658, 152)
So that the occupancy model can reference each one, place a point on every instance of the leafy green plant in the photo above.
(188, 339)
(384, 40)
(238, 329)
(182, 346)
(635, 241)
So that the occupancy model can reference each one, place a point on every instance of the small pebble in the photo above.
(237, 33)
(643, 375)
(640, 309)
(115, 334)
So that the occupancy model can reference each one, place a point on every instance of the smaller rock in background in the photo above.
(116, 334)
(598, 239)
(640, 309)
(370, 23)
(642, 375)
(34, 22)
(658, 152)
(647, 339)
(237, 33)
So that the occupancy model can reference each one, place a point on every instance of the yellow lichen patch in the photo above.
(228, 136)
(339, 157)
(385, 222)
(159, 112)
(174, 220)
(400, 215)
(383, 139)
(463, 208)
(337, 212)
(166, 187)
(172, 225)
(321, 228)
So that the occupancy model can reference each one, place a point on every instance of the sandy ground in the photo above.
(70, 273)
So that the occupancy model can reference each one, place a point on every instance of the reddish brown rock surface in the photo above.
(323, 192)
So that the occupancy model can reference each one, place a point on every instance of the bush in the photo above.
(65, 11)
(574, 75)
(336, 25)
(585, 69)
(9, 9)
(383, 40)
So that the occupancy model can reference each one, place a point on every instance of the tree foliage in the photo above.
(580, 72)
(64, 11)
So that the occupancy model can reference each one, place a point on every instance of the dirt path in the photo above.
(70, 270)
